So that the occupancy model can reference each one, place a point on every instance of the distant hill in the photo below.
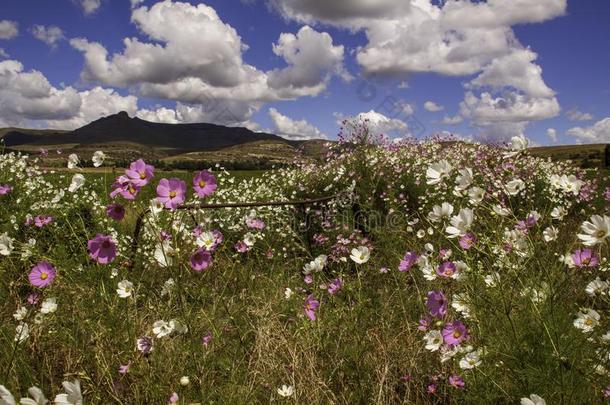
(588, 155)
(124, 138)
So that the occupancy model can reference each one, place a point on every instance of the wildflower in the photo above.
(308, 279)
(163, 254)
(173, 398)
(460, 223)
(255, 223)
(470, 360)
(596, 287)
(360, 255)
(20, 313)
(206, 339)
(456, 381)
(533, 400)
(595, 231)
(162, 328)
(33, 298)
(440, 212)
(125, 188)
(431, 388)
(586, 320)
(98, 158)
(437, 304)
(5, 189)
(125, 289)
(584, 258)
(73, 161)
(42, 220)
(517, 145)
(467, 240)
(315, 265)
(437, 172)
(184, 381)
(167, 287)
(204, 184)
(454, 333)
(42, 274)
(476, 195)
(285, 391)
(434, 340)
(48, 306)
(288, 293)
(463, 179)
(459, 303)
(200, 260)
(515, 186)
(171, 192)
(448, 270)
(335, 286)
(424, 324)
(124, 368)
(139, 173)
(78, 180)
(409, 259)
(22, 332)
(492, 280)
(37, 395)
(311, 305)
(6, 244)
(102, 249)
(241, 247)
(550, 234)
(115, 211)
(144, 345)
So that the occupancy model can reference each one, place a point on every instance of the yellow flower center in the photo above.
(132, 190)
(172, 194)
(201, 183)
(142, 175)
(43, 275)
(589, 322)
(457, 334)
(600, 234)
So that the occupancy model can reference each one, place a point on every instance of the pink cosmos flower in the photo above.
(311, 305)
(255, 223)
(456, 381)
(335, 286)
(42, 220)
(201, 260)
(5, 189)
(204, 184)
(467, 241)
(437, 304)
(125, 188)
(115, 211)
(124, 368)
(454, 333)
(308, 279)
(407, 261)
(34, 298)
(173, 398)
(144, 345)
(42, 274)
(585, 258)
(206, 339)
(424, 324)
(241, 247)
(171, 192)
(139, 173)
(102, 249)
(607, 194)
(447, 269)
(44, 152)
(431, 389)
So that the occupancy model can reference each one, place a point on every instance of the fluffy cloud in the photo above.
(458, 119)
(8, 29)
(293, 129)
(377, 122)
(50, 35)
(3, 54)
(433, 107)
(576, 115)
(27, 98)
(195, 57)
(222, 112)
(597, 133)
(89, 6)
(552, 134)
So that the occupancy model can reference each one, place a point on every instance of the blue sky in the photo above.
(496, 68)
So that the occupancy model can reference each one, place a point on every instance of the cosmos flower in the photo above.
(139, 173)
(144, 344)
(255, 223)
(37, 397)
(586, 320)
(42, 220)
(48, 306)
(285, 391)
(72, 395)
(584, 258)
(6, 244)
(162, 328)
(409, 259)
(311, 305)
(461, 223)
(206, 339)
(454, 333)
(73, 161)
(125, 289)
(98, 158)
(515, 186)
(125, 188)
(456, 381)
(78, 180)
(5, 189)
(467, 240)
(437, 304)
(204, 184)
(470, 360)
(335, 286)
(434, 340)
(360, 254)
(102, 249)
(448, 270)
(533, 400)
(171, 192)
(42, 274)
(437, 172)
(115, 211)
(595, 231)
(200, 260)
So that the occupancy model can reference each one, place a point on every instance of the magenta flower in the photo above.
(255, 223)
(585, 258)
(173, 398)
(456, 381)
(241, 247)
(201, 260)
(139, 173)
(206, 339)
(335, 286)
(171, 192)
(607, 194)
(125, 188)
(42, 220)
(44, 152)
(308, 279)
(115, 211)
(467, 241)
(431, 389)
(42, 274)
(144, 345)
(311, 305)
(124, 368)
(424, 324)
(447, 269)
(5, 189)
(407, 261)
(437, 304)
(102, 249)
(204, 184)
(454, 333)
(34, 298)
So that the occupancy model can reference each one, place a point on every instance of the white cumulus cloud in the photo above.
(433, 107)
(50, 35)
(294, 129)
(596, 133)
(8, 29)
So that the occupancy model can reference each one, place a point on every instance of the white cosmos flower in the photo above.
(471, 360)
(434, 340)
(570, 184)
(464, 179)
(48, 306)
(500, 210)
(533, 400)
(162, 328)
(492, 280)
(58, 196)
(249, 239)
(515, 186)
(38, 397)
(586, 320)
(20, 313)
(22, 332)
(78, 180)
(6, 244)
(73, 161)
(436, 172)
(72, 394)
(460, 223)
(206, 239)
(315, 265)
(288, 293)
(550, 234)
(6, 398)
(285, 391)
(125, 289)
(156, 206)
(517, 145)
(558, 212)
(98, 158)
(596, 287)
(163, 254)
(178, 326)
(167, 287)
(595, 231)
(440, 212)
(459, 304)
(360, 254)
(476, 195)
